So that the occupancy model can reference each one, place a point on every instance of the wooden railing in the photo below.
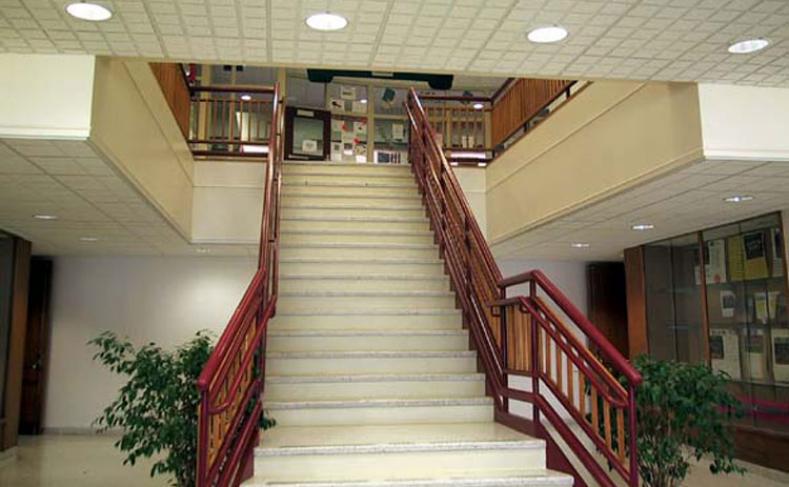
(523, 100)
(232, 381)
(566, 357)
(175, 89)
(230, 121)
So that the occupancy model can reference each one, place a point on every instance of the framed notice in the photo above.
(725, 352)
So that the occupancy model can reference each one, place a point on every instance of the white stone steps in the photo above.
(404, 386)
(382, 411)
(400, 455)
(360, 251)
(355, 340)
(358, 223)
(360, 211)
(380, 320)
(362, 301)
(333, 168)
(328, 282)
(539, 478)
(339, 198)
(366, 266)
(377, 362)
(355, 190)
(341, 180)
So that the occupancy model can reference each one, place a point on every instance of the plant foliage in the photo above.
(684, 412)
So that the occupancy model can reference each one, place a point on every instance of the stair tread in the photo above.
(346, 260)
(404, 434)
(307, 379)
(354, 218)
(350, 245)
(374, 354)
(395, 232)
(350, 206)
(538, 477)
(366, 277)
(377, 293)
(393, 311)
(366, 333)
(380, 403)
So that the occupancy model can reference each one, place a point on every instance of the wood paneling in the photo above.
(521, 102)
(762, 447)
(16, 350)
(607, 301)
(636, 302)
(173, 83)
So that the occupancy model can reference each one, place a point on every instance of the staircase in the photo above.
(369, 373)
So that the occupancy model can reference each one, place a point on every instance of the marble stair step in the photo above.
(355, 340)
(359, 282)
(382, 411)
(429, 452)
(356, 237)
(360, 251)
(367, 266)
(407, 386)
(353, 223)
(538, 478)
(377, 362)
(291, 302)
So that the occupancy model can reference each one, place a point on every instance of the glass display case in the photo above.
(719, 296)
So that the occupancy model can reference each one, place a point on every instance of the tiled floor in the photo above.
(91, 461)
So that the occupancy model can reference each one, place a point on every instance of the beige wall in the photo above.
(472, 180)
(45, 96)
(134, 129)
(613, 135)
(745, 122)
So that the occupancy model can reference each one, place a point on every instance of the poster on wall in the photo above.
(715, 261)
(781, 354)
(725, 351)
(336, 151)
(755, 255)
(736, 261)
(360, 151)
(347, 92)
(359, 107)
(398, 132)
(728, 303)
(754, 353)
(778, 252)
(360, 129)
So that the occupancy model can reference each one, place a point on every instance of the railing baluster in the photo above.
(607, 422)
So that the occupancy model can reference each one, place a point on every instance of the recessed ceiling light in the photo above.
(88, 239)
(326, 21)
(363, 100)
(246, 97)
(579, 245)
(548, 34)
(748, 46)
(454, 164)
(45, 217)
(643, 226)
(482, 164)
(203, 250)
(92, 12)
(478, 106)
(738, 198)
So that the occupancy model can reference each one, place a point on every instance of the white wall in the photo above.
(569, 276)
(744, 122)
(46, 96)
(472, 180)
(164, 300)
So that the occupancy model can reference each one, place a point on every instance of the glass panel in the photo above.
(688, 318)
(307, 136)
(6, 283)
(660, 300)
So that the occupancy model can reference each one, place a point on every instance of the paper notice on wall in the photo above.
(781, 354)
(347, 136)
(778, 252)
(725, 352)
(359, 107)
(715, 266)
(736, 258)
(360, 129)
(347, 92)
(336, 151)
(755, 255)
(360, 151)
(728, 304)
(309, 146)
(398, 132)
(754, 352)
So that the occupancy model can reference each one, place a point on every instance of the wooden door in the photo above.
(607, 307)
(36, 347)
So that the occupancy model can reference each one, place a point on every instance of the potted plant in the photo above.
(157, 407)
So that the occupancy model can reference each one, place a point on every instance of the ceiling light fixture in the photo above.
(640, 227)
(88, 239)
(363, 100)
(45, 217)
(202, 250)
(246, 97)
(748, 46)
(326, 21)
(478, 106)
(579, 245)
(738, 198)
(454, 164)
(91, 12)
(482, 164)
(547, 34)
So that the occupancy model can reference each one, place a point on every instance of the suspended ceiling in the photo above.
(680, 40)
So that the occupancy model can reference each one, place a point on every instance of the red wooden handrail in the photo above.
(232, 380)
(548, 350)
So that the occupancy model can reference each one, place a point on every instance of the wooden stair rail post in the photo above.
(524, 335)
(232, 380)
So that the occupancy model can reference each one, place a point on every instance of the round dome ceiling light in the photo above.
(327, 22)
(748, 46)
(548, 34)
(91, 12)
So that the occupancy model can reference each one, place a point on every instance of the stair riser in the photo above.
(367, 343)
(288, 304)
(304, 285)
(322, 391)
(350, 190)
(350, 180)
(367, 322)
(362, 268)
(421, 465)
(298, 212)
(316, 225)
(405, 365)
(357, 253)
(354, 238)
(302, 199)
(377, 170)
(382, 415)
